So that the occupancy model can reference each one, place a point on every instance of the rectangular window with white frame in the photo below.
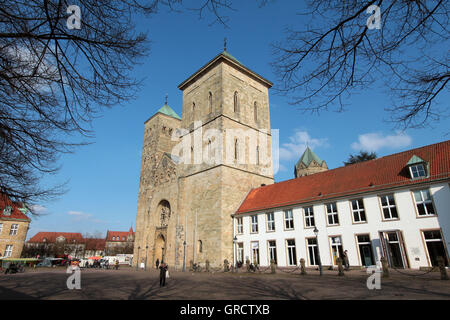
(388, 206)
(272, 246)
(332, 214)
(309, 217)
(255, 252)
(254, 224)
(239, 226)
(292, 254)
(14, 229)
(358, 211)
(288, 220)
(8, 251)
(418, 171)
(424, 203)
(240, 252)
(270, 221)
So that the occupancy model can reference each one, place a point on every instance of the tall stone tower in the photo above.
(308, 164)
(226, 125)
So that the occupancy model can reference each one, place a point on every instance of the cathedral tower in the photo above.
(308, 164)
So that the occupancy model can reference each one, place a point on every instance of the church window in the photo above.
(255, 111)
(200, 246)
(236, 147)
(210, 102)
(257, 155)
(236, 102)
(193, 110)
(332, 214)
(209, 149)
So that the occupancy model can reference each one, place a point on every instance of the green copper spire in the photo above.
(415, 159)
(308, 156)
(165, 109)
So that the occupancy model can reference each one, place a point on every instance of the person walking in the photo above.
(157, 263)
(345, 258)
(162, 274)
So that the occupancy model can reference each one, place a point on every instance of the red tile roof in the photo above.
(16, 214)
(95, 244)
(368, 176)
(118, 235)
(51, 237)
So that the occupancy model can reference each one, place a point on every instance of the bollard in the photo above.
(226, 267)
(247, 262)
(444, 275)
(340, 267)
(207, 265)
(385, 267)
(302, 266)
(273, 266)
(191, 265)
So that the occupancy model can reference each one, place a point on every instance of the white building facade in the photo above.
(409, 223)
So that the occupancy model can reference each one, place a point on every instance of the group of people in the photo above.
(101, 264)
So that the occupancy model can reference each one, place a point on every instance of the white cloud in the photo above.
(38, 209)
(297, 145)
(375, 141)
(78, 216)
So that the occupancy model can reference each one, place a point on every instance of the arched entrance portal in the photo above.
(160, 248)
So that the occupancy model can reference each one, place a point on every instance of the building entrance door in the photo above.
(394, 249)
(160, 248)
(365, 250)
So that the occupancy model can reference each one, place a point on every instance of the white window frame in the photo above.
(272, 251)
(389, 207)
(424, 202)
(239, 225)
(8, 250)
(358, 210)
(333, 214)
(308, 213)
(415, 171)
(270, 222)
(254, 224)
(312, 246)
(291, 253)
(252, 248)
(14, 229)
(288, 219)
(240, 252)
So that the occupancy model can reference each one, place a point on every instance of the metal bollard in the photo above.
(340, 267)
(273, 266)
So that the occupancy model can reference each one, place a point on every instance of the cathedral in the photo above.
(186, 196)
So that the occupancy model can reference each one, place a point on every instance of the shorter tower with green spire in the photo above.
(308, 164)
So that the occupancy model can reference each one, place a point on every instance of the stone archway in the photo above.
(160, 247)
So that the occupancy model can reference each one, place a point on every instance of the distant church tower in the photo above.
(308, 164)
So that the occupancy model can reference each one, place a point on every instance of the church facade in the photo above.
(197, 169)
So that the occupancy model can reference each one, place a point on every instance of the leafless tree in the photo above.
(56, 77)
(338, 51)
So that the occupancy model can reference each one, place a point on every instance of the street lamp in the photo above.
(316, 232)
(184, 256)
(146, 252)
(137, 260)
(235, 254)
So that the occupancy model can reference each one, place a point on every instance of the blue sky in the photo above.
(104, 176)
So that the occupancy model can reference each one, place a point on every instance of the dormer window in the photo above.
(418, 171)
(417, 167)
(7, 211)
